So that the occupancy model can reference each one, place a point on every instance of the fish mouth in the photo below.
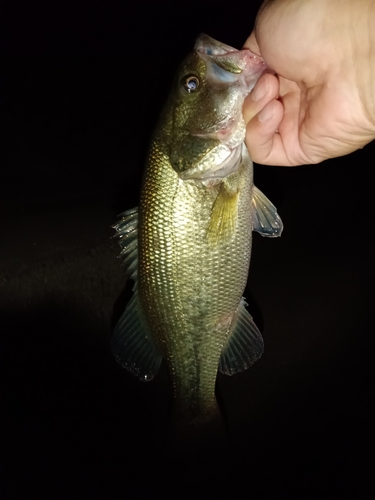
(227, 65)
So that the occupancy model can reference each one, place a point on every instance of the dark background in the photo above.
(81, 87)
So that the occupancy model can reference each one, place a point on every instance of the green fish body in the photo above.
(188, 246)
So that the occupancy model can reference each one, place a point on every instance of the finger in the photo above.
(265, 90)
(263, 142)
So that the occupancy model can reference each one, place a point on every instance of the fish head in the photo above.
(207, 129)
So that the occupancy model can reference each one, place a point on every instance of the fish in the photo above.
(187, 246)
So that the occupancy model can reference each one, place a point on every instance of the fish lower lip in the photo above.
(221, 129)
(228, 166)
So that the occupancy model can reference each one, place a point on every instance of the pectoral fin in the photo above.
(244, 345)
(266, 220)
(223, 221)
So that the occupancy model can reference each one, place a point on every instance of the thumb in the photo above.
(252, 44)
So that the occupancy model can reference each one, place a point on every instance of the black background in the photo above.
(81, 87)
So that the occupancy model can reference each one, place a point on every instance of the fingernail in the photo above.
(267, 113)
(260, 90)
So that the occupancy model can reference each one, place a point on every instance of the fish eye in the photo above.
(191, 83)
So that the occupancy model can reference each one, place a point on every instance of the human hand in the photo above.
(321, 104)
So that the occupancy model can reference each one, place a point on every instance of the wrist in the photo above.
(363, 60)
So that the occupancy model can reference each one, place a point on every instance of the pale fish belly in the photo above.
(190, 288)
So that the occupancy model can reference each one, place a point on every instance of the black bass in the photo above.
(188, 245)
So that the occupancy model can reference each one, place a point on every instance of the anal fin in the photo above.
(244, 345)
(132, 343)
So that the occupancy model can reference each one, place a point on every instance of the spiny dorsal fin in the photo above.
(266, 220)
(244, 345)
(132, 344)
(127, 233)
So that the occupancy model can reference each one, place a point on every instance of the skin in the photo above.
(321, 102)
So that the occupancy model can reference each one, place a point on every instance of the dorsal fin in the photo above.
(244, 345)
(127, 233)
(132, 343)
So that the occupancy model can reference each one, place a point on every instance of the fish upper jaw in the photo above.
(208, 45)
